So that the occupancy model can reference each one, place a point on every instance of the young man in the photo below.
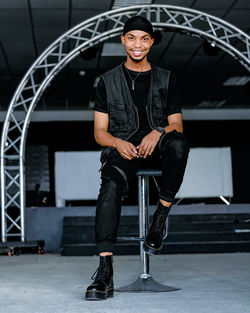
(138, 122)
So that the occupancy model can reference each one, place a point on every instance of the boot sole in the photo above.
(99, 295)
(150, 250)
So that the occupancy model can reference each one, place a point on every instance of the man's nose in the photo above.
(137, 43)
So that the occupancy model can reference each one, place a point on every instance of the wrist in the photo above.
(160, 130)
(115, 142)
(157, 134)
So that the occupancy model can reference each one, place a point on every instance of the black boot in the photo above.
(153, 241)
(103, 285)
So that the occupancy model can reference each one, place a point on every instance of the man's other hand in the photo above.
(126, 149)
(148, 143)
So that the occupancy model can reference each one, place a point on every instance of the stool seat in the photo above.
(149, 172)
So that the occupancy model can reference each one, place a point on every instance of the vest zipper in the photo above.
(132, 103)
(149, 120)
(150, 99)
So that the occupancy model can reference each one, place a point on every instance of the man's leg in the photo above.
(173, 152)
(115, 176)
(174, 149)
(108, 210)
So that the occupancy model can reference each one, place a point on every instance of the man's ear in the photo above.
(122, 39)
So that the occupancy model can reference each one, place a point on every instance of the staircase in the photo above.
(199, 233)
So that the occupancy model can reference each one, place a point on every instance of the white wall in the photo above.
(208, 174)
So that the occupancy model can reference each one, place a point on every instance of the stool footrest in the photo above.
(146, 285)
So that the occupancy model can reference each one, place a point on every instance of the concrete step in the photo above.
(172, 236)
(186, 234)
(228, 218)
(168, 248)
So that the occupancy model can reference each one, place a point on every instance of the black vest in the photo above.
(123, 114)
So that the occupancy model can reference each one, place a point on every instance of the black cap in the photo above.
(138, 23)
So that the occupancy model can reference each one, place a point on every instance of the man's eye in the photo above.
(145, 39)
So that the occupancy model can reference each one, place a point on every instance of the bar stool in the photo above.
(145, 282)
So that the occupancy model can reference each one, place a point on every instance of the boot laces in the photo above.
(159, 222)
(100, 273)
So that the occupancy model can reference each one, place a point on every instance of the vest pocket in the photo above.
(159, 111)
(158, 103)
(118, 118)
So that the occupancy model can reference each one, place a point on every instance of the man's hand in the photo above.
(126, 149)
(148, 143)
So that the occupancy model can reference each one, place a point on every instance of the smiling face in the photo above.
(137, 44)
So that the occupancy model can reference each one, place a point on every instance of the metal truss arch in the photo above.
(79, 38)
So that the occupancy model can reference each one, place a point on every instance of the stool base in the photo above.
(146, 285)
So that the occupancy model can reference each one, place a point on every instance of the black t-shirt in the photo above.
(140, 96)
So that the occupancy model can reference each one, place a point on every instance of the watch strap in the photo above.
(160, 129)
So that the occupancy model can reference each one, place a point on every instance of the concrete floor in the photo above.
(210, 283)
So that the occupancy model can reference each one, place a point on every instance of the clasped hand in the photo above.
(128, 151)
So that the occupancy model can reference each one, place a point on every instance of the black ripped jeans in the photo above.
(170, 155)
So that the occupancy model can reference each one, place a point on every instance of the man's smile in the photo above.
(137, 53)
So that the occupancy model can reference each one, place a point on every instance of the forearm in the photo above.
(104, 138)
(126, 149)
(172, 126)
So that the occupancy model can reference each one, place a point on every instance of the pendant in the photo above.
(133, 84)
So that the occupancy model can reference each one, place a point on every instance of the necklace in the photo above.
(132, 80)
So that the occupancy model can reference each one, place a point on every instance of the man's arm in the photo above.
(126, 149)
(149, 142)
(174, 122)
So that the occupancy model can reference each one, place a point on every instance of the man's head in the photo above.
(138, 23)
(137, 37)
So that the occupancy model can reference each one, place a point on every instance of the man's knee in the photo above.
(113, 186)
(113, 183)
(176, 143)
(180, 146)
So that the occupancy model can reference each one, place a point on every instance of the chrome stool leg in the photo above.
(145, 282)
